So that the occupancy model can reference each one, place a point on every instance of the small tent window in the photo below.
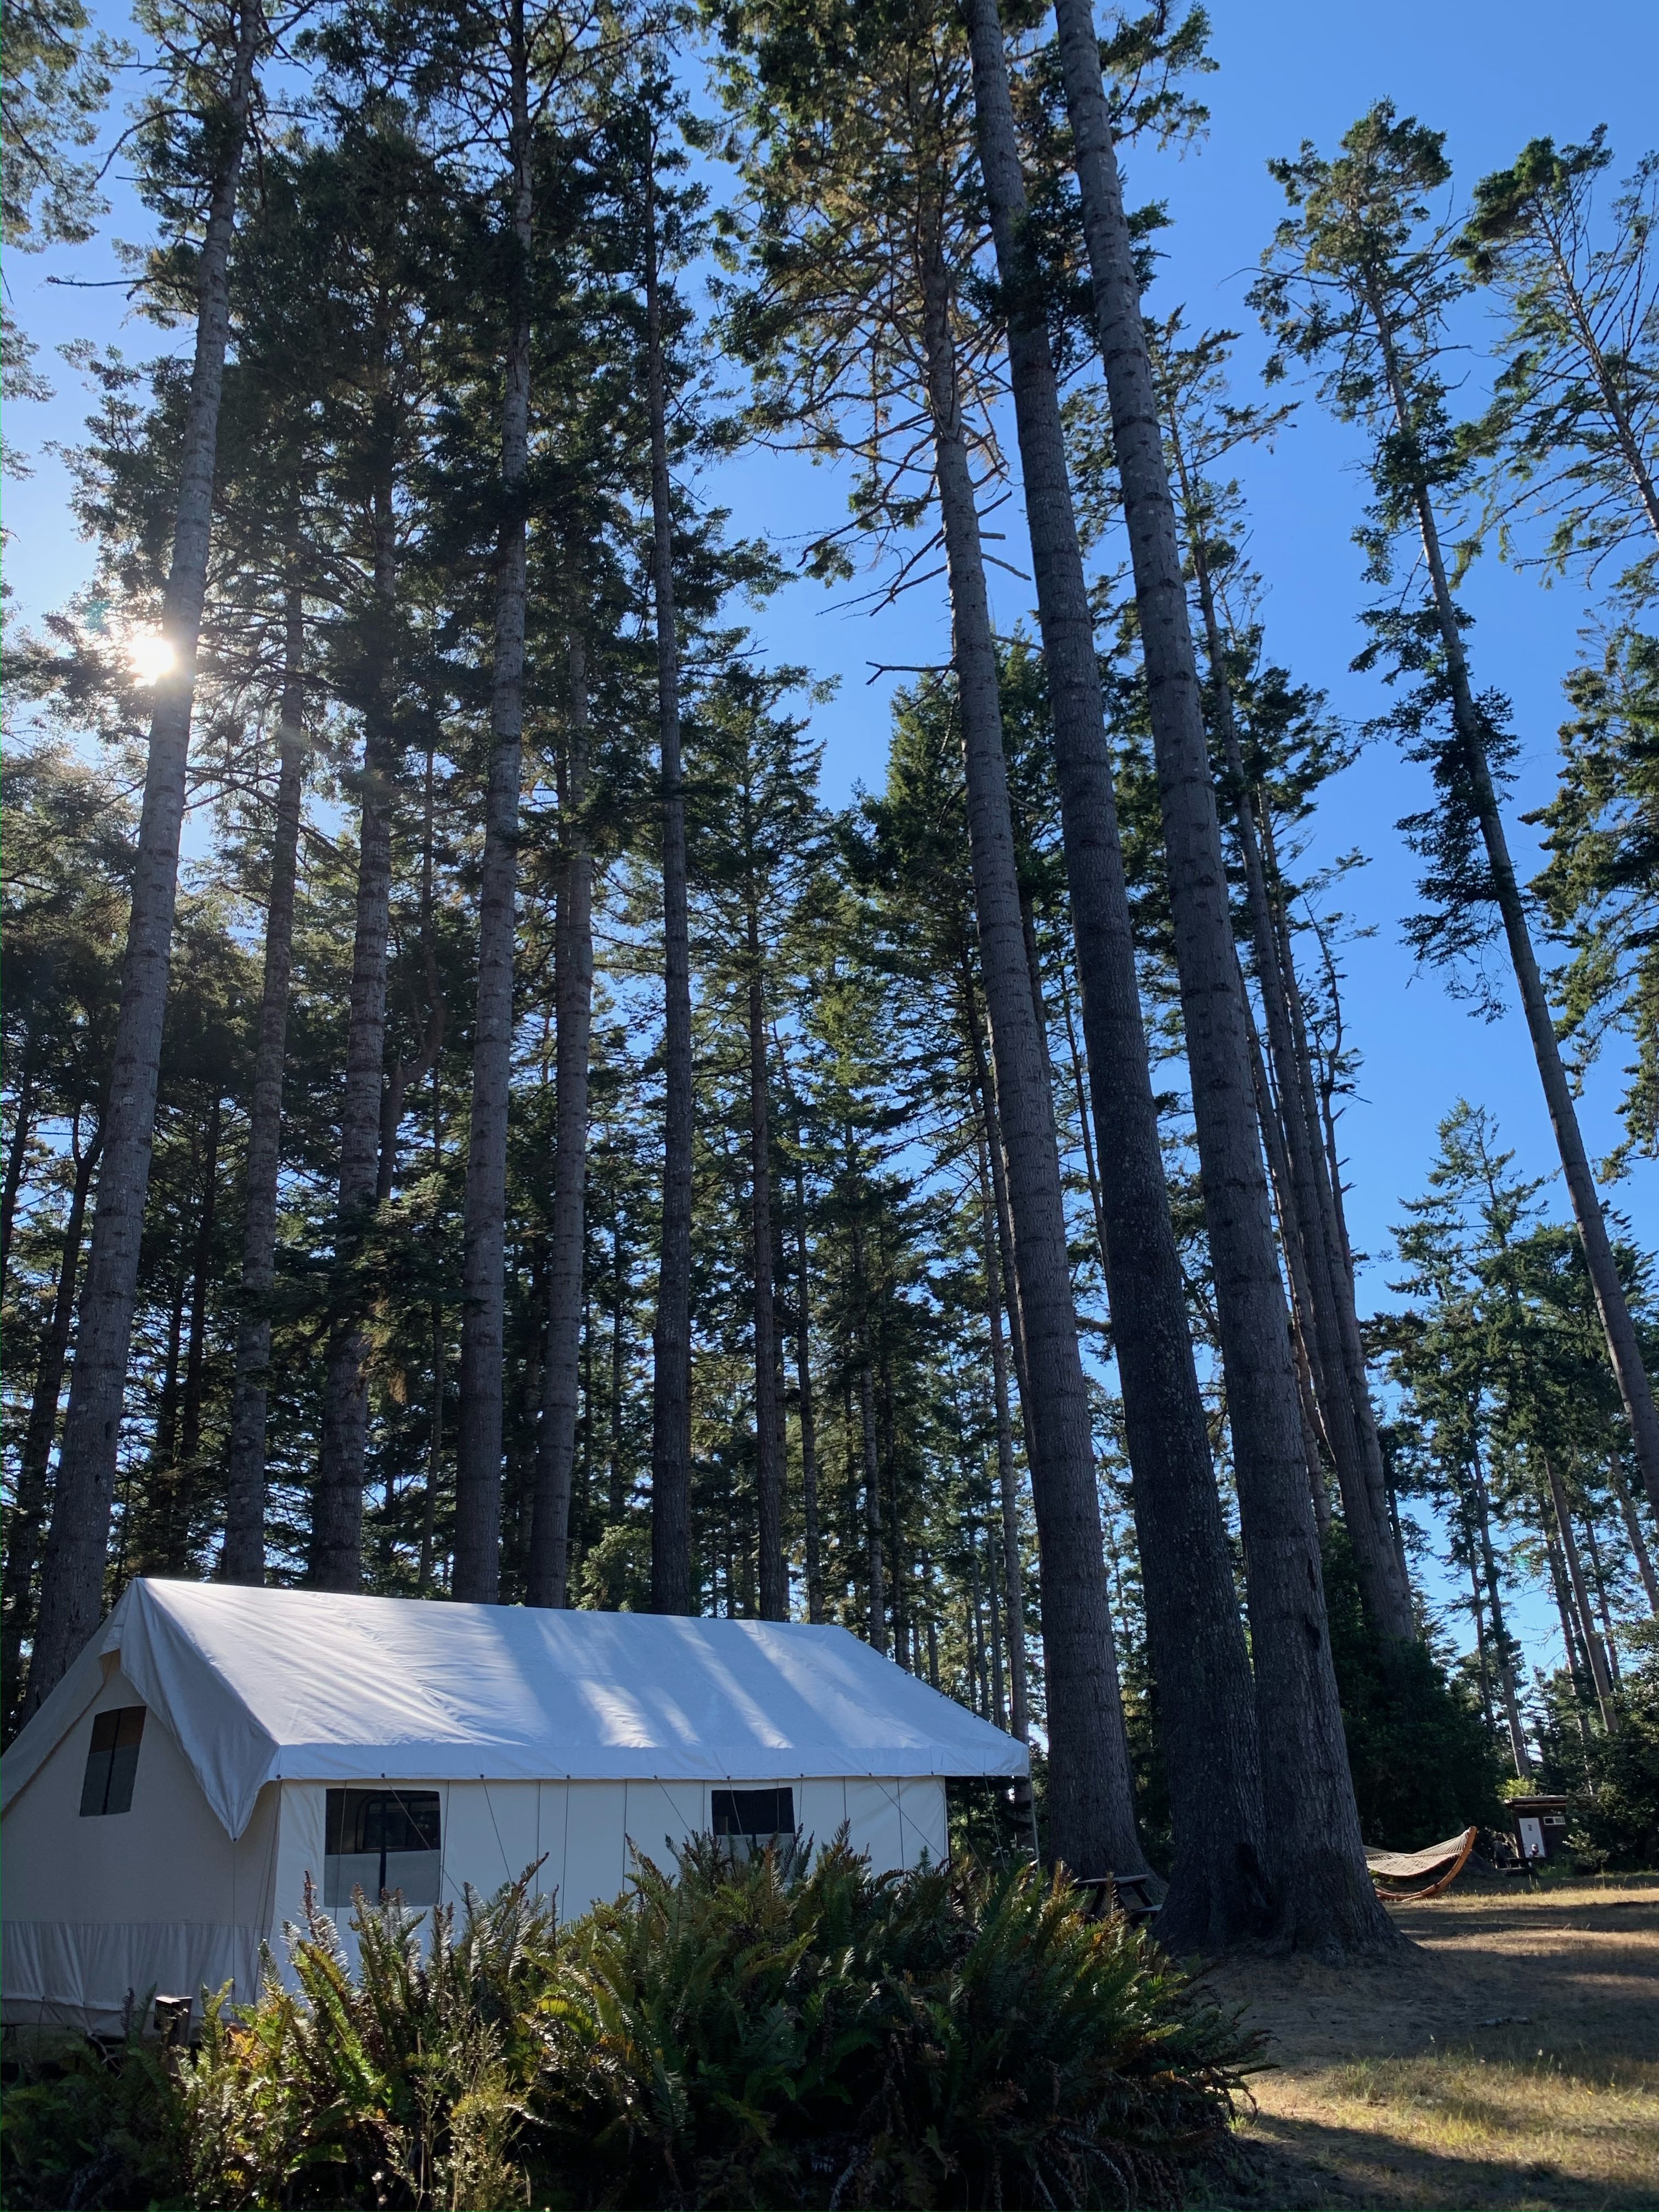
(757, 1816)
(112, 1761)
(378, 1840)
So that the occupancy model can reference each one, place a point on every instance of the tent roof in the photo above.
(256, 1685)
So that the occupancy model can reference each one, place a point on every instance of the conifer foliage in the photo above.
(490, 1116)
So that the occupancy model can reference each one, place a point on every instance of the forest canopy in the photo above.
(482, 1124)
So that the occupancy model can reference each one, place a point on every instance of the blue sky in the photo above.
(1492, 74)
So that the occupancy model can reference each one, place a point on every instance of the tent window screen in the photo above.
(757, 1816)
(377, 1840)
(112, 1761)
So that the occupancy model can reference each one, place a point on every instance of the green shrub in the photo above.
(1423, 1762)
(81, 2125)
(743, 2035)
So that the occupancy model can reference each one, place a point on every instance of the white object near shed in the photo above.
(214, 1746)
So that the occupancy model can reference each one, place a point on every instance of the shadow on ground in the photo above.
(1510, 2057)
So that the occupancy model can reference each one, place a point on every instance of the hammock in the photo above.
(1443, 1861)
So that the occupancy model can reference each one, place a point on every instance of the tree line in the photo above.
(528, 1147)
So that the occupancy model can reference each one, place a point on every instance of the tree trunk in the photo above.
(670, 1392)
(190, 1437)
(1303, 1344)
(1081, 1090)
(1595, 1655)
(1007, 1476)
(1501, 1637)
(1348, 1425)
(1219, 1888)
(1624, 1350)
(872, 1463)
(616, 1498)
(809, 1446)
(22, 1129)
(1639, 1551)
(1604, 1612)
(337, 1515)
(243, 1559)
(1326, 1896)
(768, 1461)
(478, 1575)
(26, 1518)
(72, 1575)
(1092, 1822)
(555, 1455)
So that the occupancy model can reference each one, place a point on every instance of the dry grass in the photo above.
(1510, 2058)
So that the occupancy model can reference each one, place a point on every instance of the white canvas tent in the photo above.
(214, 1746)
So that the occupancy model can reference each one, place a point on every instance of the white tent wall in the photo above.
(155, 1898)
(580, 1834)
(257, 1703)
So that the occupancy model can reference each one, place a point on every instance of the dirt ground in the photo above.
(1510, 2058)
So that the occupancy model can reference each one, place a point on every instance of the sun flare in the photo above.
(151, 657)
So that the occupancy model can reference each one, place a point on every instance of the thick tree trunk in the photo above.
(478, 1575)
(72, 1574)
(1326, 1896)
(337, 1514)
(769, 1458)
(670, 1395)
(1091, 1802)
(555, 1455)
(243, 1559)
(26, 1518)
(1624, 1349)
(1219, 1889)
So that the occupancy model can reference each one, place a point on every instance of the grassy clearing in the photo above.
(1465, 2128)
(1509, 2059)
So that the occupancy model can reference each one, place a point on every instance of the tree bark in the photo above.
(555, 1455)
(26, 1518)
(337, 1514)
(478, 1571)
(1219, 1888)
(670, 1392)
(72, 1575)
(243, 1559)
(1091, 1802)
(1326, 1896)
(1624, 1349)
(768, 1461)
